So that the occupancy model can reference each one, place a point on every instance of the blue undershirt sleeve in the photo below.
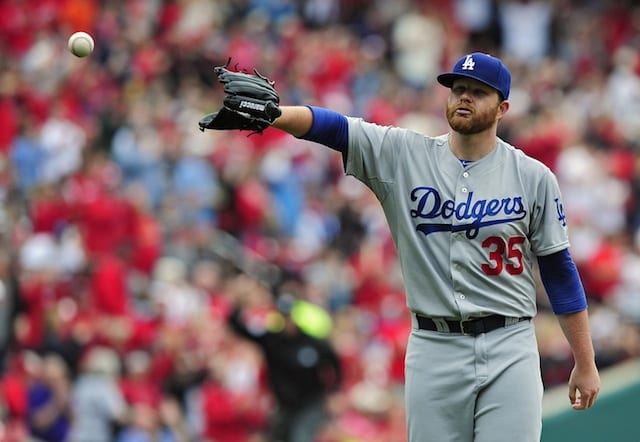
(329, 128)
(562, 282)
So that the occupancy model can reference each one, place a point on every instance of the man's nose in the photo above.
(465, 95)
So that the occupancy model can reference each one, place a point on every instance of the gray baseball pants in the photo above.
(486, 388)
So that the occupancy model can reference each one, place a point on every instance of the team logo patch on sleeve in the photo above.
(560, 209)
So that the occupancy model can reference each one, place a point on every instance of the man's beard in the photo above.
(471, 124)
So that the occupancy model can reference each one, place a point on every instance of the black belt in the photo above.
(472, 327)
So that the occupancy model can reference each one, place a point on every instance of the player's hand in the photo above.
(584, 386)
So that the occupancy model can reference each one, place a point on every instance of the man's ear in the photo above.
(503, 107)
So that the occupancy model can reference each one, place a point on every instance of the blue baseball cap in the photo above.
(482, 67)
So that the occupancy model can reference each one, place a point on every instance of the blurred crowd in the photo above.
(128, 236)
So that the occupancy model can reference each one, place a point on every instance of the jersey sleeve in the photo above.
(548, 230)
(372, 155)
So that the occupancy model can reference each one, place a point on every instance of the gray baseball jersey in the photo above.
(467, 236)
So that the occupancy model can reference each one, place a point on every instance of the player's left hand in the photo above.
(584, 386)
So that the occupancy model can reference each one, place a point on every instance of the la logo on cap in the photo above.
(468, 64)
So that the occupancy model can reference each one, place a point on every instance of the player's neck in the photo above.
(472, 147)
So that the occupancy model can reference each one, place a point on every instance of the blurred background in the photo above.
(128, 236)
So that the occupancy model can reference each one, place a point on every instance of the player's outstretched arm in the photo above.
(584, 382)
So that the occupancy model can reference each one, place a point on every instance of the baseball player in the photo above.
(470, 216)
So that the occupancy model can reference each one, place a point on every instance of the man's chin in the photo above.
(461, 126)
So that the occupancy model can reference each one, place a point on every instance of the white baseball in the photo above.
(81, 44)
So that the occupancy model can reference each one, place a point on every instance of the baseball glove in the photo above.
(250, 102)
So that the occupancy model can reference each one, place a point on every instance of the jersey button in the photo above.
(464, 190)
(462, 297)
(465, 174)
